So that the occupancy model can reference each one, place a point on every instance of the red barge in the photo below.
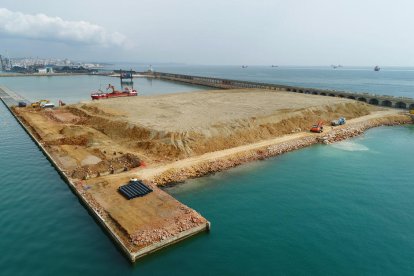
(114, 94)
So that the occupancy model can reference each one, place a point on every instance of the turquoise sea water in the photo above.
(342, 209)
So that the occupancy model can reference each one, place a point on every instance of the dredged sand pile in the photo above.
(187, 124)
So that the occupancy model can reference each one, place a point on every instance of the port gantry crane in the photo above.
(2, 68)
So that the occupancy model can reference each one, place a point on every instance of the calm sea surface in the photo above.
(342, 209)
(72, 89)
(396, 81)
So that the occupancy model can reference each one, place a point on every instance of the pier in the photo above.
(11, 98)
(373, 99)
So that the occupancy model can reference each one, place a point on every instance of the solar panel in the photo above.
(135, 188)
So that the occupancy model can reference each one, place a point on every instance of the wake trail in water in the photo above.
(350, 146)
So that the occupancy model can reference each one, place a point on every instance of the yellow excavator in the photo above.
(38, 104)
(412, 111)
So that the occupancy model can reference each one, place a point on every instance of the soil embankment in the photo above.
(99, 138)
(178, 126)
(217, 161)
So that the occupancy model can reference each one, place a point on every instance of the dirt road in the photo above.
(149, 173)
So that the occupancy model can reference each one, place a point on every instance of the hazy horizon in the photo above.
(294, 33)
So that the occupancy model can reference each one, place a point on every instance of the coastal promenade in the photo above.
(373, 99)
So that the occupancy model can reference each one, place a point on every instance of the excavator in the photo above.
(38, 104)
(318, 127)
(110, 86)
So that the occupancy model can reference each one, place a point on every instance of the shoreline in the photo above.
(174, 175)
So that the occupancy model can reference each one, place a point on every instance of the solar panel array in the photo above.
(134, 189)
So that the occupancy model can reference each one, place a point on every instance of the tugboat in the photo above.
(114, 94)
(377, 68)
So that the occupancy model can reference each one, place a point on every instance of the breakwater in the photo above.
(373, 99)
(11, 98)
(175, 175)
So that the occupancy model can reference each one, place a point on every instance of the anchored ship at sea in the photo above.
(114, 94)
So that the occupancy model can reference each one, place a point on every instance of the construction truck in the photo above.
(340, 121)
(317, 127)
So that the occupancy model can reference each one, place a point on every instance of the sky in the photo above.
(212, 32)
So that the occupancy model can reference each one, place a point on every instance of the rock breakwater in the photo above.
(348, 131)
(176, 175)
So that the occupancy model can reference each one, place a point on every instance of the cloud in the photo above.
(43, 27)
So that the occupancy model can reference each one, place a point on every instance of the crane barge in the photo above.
(114, 94)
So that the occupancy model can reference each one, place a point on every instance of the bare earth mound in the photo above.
(188, 124)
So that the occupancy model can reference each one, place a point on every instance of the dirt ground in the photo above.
(177, 126)
(154, 217)
(98, 138)
(101, 144)
(207, 110)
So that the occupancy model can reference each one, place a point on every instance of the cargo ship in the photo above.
(114, 94)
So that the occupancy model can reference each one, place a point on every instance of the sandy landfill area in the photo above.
(164, 139)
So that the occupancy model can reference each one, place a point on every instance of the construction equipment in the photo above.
(318, 127)
(115, 93)
(412, 111)
(340, 121)
(2, 66)
(110, 86)
(61, 103)
(39, 103)
(47, 105)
